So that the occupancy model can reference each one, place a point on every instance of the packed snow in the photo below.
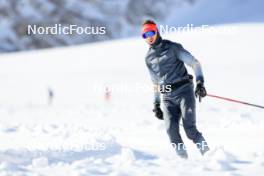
(86, 130)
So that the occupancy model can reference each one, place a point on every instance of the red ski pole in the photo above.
(236, 101)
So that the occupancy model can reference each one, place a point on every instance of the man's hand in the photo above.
(158, 112)
(200, 91)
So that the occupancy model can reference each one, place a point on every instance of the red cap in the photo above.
(149, 27)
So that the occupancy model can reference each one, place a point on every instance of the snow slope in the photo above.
(83, 134)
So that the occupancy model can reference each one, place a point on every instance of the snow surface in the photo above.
(84, 134)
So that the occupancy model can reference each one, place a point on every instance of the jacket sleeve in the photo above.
(156, 98)
(191, 61)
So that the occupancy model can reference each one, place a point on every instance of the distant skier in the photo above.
(107, 94)
(50, 96)
(165, 61)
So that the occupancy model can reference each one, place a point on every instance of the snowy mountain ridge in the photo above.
(122, 18)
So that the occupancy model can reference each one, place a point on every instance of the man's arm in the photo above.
(158, 112)
(156, 94)
(156, 98)
(188, 59)
(191, 61)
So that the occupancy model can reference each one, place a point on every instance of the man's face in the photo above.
(151, 40)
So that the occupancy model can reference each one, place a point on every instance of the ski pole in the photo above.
(236, 101)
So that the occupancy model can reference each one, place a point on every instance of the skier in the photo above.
(50, 96)
(165, 61)
(107, 95)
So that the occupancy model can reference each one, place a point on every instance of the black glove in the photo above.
(158, 112)
(200, 90)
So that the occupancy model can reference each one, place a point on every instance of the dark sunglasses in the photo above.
(148, 34)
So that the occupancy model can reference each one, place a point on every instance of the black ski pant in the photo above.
(179, 104)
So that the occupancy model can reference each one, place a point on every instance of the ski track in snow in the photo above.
(121, 137)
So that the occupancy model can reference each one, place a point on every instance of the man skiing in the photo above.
(165, 61)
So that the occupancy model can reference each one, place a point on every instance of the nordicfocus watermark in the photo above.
(75, 147)
(127, 88)
(59, 29)
(166, 29)
(180, 146)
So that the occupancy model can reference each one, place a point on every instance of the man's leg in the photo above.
(172, 115)
(188, 110)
